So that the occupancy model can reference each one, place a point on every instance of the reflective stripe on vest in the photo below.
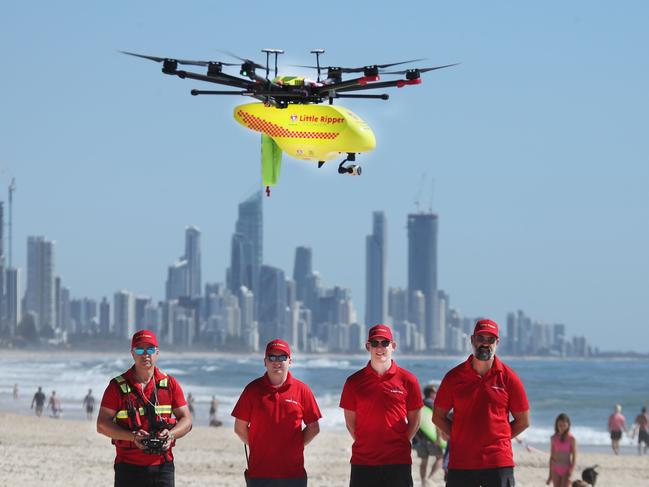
(123, 413)
(123, 385)
(126, 389)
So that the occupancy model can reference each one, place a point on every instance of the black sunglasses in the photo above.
(486, 339)
(277, 358)
(376, 343)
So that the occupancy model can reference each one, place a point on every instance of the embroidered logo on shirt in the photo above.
(292, 401)
(396, 391)
(498, 388)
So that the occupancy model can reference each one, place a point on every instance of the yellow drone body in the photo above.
(309, 132)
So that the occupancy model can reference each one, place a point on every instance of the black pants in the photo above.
(381, 476)
(488, 477)
(127, 475)
(267, 482)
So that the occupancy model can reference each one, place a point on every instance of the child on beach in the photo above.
(563, 453)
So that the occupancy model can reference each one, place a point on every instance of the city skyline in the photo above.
(312, 318)
(536, 143)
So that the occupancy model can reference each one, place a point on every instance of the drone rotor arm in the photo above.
(399, 83)
(227, 80)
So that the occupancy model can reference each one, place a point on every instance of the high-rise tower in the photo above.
(302, 269)
(247, 245)
(193, 258)
(375, 271)
(40, 292)
(422, 270)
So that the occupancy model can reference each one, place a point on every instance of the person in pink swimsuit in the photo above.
(563, 453)
(616, 424)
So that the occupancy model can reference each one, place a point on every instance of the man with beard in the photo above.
(482, 392)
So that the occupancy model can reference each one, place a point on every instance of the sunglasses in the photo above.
(277, 358)
(141, 350)
(490, 340)
(376, 343)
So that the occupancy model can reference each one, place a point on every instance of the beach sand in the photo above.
(44, 451)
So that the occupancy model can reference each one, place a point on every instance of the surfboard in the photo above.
(428, 428)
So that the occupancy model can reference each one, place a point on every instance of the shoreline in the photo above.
(43, 353)
(35, 451)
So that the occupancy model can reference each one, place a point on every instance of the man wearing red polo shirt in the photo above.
(136, 413)
(482, 392)
(382, 403)
(269, 416)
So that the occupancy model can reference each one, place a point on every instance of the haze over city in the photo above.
(537, 149)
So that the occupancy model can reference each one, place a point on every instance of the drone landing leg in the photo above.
(320, 164)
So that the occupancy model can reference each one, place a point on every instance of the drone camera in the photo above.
(354, 170)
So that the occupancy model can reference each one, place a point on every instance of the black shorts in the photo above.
(127, 475)
(267, 482)
(643, 437)
(381, 476)
(616, 435)
(488, 477)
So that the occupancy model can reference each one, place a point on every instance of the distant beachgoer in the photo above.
(54, 404)
(428, 440)
(15, 391)
(483, 392)
(39, 401)
(641, 425)
(563, 453)
(214, 407)
(190, 404)
(89, 404)
(616, 425)
(269, 416)
(382, 404)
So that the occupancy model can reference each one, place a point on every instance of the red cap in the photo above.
(486, 327)
(278, 345)
(144, 336)
(380, 331)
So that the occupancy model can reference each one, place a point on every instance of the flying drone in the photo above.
(295, 114)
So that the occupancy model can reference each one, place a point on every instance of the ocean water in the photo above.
(586, 390)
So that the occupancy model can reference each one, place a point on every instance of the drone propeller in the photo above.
(186, 62)
(244, 60)
(356, 70)
(420, 70)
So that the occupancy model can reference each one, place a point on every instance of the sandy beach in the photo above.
(37, 451)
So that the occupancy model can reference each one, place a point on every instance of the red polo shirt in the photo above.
(275, 416)
(381, 404)
(112, 400)
(480, 434)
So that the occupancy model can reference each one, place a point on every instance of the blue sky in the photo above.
(537, 145)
